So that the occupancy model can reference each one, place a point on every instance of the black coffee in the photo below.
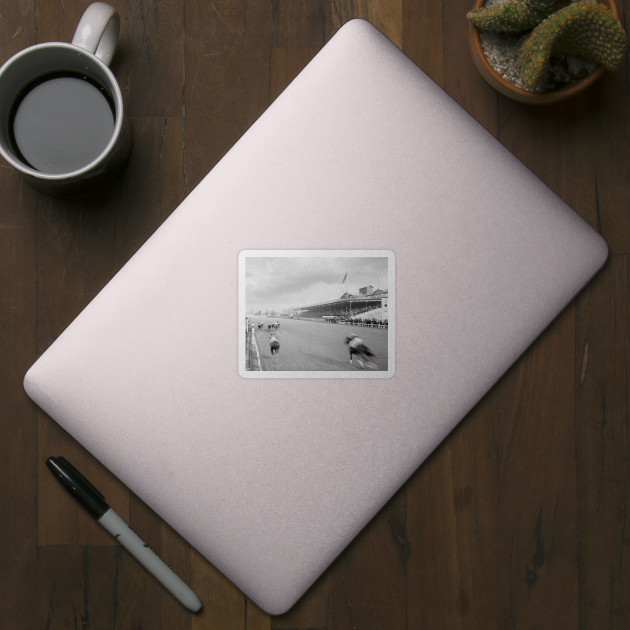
(61, 123)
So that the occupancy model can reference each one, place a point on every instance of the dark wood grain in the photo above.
(154, 58)
(461, 79)
(452, 516)
(313, 610)
(518, 520)
(151, 605)
(285, 64)
(609, 133)
(76, 587)
(559, 148)
(224, 606)
(369, 577)
(602, 380)
(301, 23)
(537, 537)
(574, 149)
(18, 416)
(386, 15)
(226, 78)
(151, 187)
(60, 520)
(422, 36)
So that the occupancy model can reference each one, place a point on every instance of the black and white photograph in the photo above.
(316, 313)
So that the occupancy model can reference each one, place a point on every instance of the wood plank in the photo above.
(61, 520)
(608, 127)
(537, 537)
(224, 606)
(312, 610)
(115, 583)
(18, 421)
(226, 78)
(300, 23)
(142, 600)
(558, 147)
(386, 15)
(452, 526)
(369, 577)
(423, 36)
(285, 64)
(18, 415)
(152, 185)
(565, 147)
(154, 57)
(603, 468)
(575, 147)
(76, 587)
(255, 618)
(461, 78)
(171, 158)
(57, 23)
(74, 248)
(17, 28)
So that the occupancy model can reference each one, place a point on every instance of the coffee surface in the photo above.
(62, 124)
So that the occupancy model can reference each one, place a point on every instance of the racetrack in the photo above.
(317, 346)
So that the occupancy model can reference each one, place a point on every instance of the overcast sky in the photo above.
(283, 282)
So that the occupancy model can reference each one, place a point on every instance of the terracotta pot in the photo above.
(518, 94)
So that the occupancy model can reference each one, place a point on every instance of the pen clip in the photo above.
(64, 462)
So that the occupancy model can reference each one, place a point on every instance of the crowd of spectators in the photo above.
(349, 318)
(362, 321)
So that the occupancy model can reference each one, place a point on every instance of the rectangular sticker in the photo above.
(316, 313)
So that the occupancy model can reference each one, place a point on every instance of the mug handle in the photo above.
(98, 30)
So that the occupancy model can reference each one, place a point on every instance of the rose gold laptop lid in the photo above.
(363, 158)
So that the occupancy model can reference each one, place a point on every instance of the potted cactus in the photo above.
(558, 49)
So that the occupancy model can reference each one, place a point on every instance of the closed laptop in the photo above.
(364, 203)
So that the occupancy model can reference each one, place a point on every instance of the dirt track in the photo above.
(308, 346)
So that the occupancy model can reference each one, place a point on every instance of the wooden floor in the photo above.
(518, 520)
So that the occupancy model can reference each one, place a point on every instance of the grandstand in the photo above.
(348, 306)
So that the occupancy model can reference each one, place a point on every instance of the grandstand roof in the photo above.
(349, 296)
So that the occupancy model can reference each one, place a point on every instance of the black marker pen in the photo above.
(94, 502)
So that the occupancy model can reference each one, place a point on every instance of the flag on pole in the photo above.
(344, 278)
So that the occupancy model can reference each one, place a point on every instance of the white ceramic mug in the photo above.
(87, 58)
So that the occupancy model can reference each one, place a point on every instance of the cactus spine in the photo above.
(583, 29)
(513, 16)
